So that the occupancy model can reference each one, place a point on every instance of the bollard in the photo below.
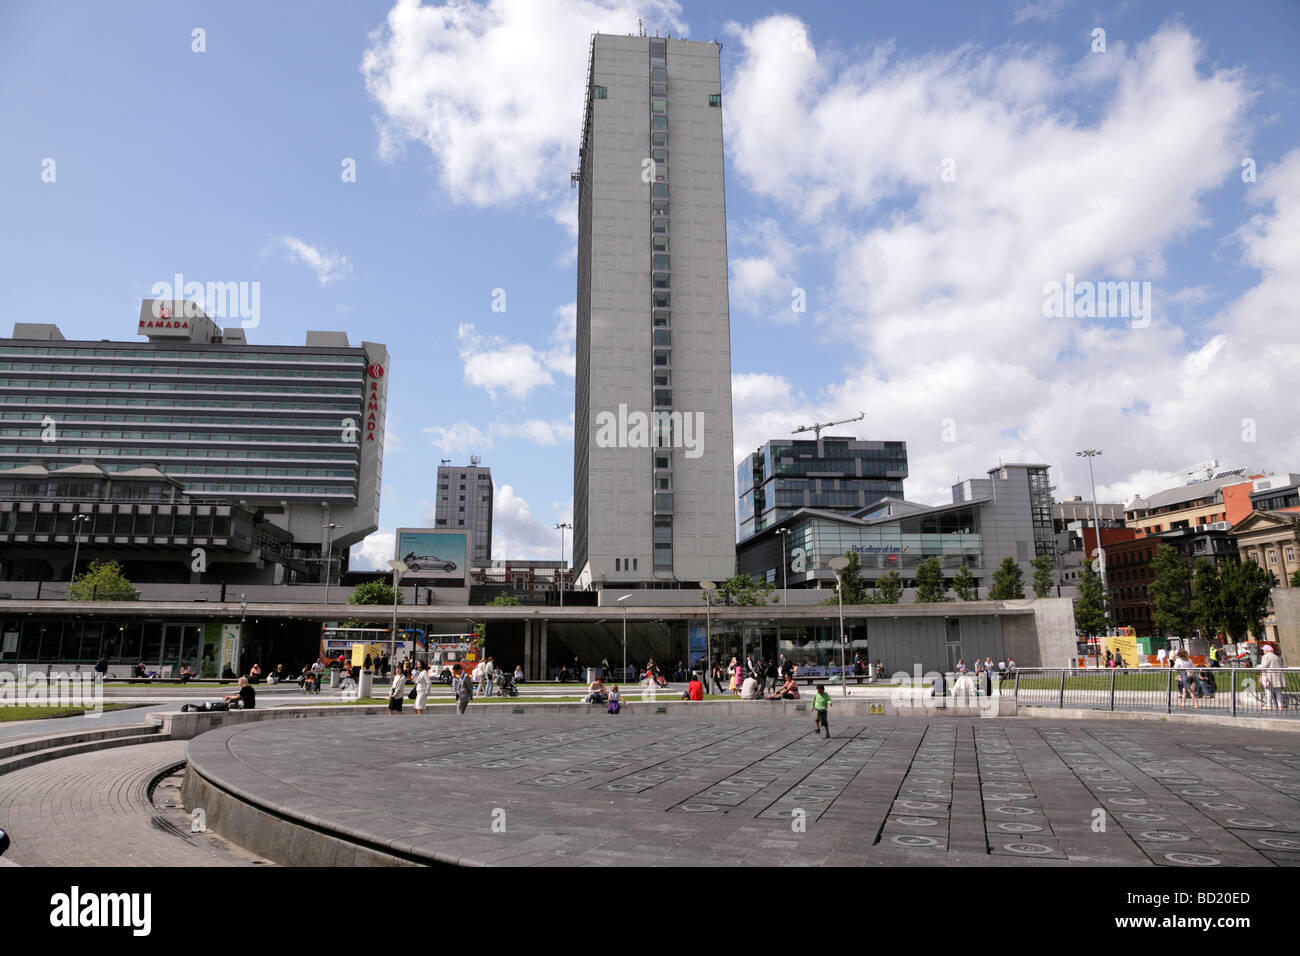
(334, 678)
(365, 684)
(1112, 687)
(1061, 703)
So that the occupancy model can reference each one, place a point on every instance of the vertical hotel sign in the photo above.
(375, 373)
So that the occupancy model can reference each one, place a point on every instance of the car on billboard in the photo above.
(428, 562)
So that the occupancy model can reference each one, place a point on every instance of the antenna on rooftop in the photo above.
(640, 27)
(474, 460)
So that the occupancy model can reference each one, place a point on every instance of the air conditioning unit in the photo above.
(1217, 526)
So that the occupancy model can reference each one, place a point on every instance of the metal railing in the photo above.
(1221, 691)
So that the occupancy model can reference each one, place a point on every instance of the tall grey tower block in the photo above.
(653, 499)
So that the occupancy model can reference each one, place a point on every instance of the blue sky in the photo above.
(924, 293)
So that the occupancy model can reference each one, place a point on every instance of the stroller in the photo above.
(506, 684)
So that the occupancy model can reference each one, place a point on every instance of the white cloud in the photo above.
(1039, 10)
(938, 286)
(559, 432)
(374, 553)
(517, 532)
(764, 284)
(495, 364)
(328, 266)
(492, 90)
(461, 438)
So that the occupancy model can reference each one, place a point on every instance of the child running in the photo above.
(821, 709)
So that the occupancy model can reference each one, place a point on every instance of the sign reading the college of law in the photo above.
(880, 548)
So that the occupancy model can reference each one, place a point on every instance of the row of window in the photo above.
(118, 401)
(163, 524)
(656, 105)
(224, 355)
(101, 452)
(216, 370)
(252, 489)
(288, 421)
(332, 435)
(660, 302)
(269, 388)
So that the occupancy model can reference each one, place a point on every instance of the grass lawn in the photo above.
(45, 711)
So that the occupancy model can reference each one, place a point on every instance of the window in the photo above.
(663, 337)
(660, 156)
(618, 564)
(659, 122)
(659, 243)
(658, 106)
(658, 74)
(661, 300)
(661, 280)
(600, 92)
(715, 99)
(658, 139)
(658, 89)
(634, 564)
(659, 226)
(661, 262)
(1272, 557)
(661, 317)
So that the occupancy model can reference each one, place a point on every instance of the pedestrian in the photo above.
(1186, 679)
(422, 679)
(614, 706)
(821, 710)
(1271, 679)
(1161, 656)
(396, 693)
(489, 674)
(462, 688)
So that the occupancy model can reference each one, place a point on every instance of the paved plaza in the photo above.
(668, 790)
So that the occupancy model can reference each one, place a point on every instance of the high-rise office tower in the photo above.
(653, 500)
(465, 504)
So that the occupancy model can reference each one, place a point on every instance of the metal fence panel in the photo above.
(1225, 691)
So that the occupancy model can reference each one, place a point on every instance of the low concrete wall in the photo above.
(189, 725)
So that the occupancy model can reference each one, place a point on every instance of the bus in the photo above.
(444, 650)
(340, 640)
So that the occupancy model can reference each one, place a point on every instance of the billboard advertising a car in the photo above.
(441, 555)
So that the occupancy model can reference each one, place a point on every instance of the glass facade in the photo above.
(225, 420)
(831, 474)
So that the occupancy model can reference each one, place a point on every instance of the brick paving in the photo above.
(663, 790)
(94, 810)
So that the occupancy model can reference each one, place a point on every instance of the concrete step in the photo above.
(142, 735)
(28, 744)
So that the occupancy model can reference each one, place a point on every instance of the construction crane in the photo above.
(816, 427)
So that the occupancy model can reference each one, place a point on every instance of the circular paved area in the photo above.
(95, 809)
(656, 790)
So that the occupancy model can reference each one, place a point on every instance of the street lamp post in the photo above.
(76, 550)
(399, 568)
(624, 607)
(709, 587)
(560, 528)
(1090, 454)
(329, 556)
(239, 641)
(838, 564)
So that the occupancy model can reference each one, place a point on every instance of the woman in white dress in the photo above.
(421, 687)
(395, 695)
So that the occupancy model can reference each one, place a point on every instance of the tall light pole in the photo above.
(624, 607)
(239, 641)
(76, 550)
(1090, 454)
(560, 528)
(708, 587)
(399, 568)
(329, 556)
(838, 564)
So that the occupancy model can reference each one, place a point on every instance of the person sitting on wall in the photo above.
(244, 699)
(186, 674)
(596, 693)
(788, 690)
(695, 689)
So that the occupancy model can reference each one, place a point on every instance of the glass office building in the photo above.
(294, 434)
(841, 475)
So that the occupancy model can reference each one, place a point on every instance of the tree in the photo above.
(1090, 615)
(1170, 593)
(856, 590)
(889, 588)
(377, 591)
(1207, 603)
(102, 581)
(1008, 581)
(1244, 590)
(931, 588)
(963, 585)
(1295, 578)
(744, 591)
(1044, 570)
(480, 629)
